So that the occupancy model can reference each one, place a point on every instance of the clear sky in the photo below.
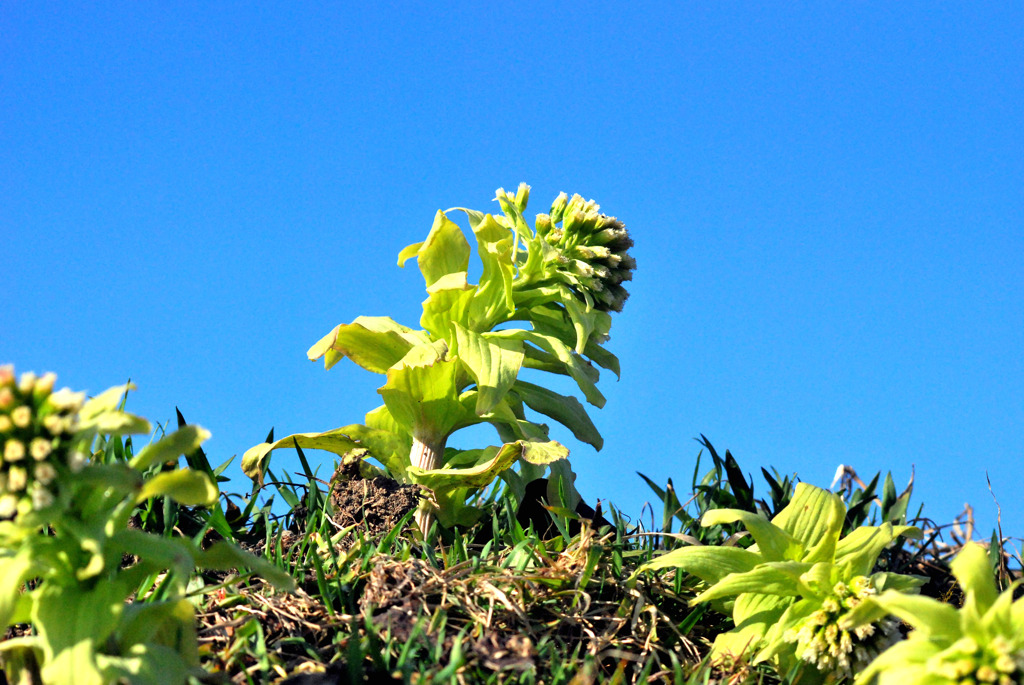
(827, 201)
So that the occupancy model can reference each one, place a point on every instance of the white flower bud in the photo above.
(14, 450)
(41, 497)
(21, 416)
(5, 423)
(6, 397)
(8, 506)
(26, 382)
(6, 374)
(45, 473)
(76, 461)
(44, 386)
(40, 448)
(66, 400)
(17, 479)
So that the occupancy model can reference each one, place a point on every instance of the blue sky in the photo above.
(827, 202)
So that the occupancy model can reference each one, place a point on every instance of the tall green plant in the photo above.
(543, 302)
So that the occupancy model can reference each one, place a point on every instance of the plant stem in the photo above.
(426, 454)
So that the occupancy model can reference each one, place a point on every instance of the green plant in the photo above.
(68, 558)
(561, 278)
(789, 591)
(982, 642)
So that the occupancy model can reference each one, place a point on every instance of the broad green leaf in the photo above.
(14, 571)
(145, 664)
(780, 578)
(494, 293)
(754, 616)
(445, 250)
(773, 543)
(972, 570)
(546, 452)
(859, 550)
(492, 361)
(709, 563)
(156, 551)
(443, 307)
(338, 441)
(934, 619)
(408, 252)
(902, 664)
(71, 623)
(814, 517)
(184, 486)
(908, 585)
(170, 447)
(424, 398)
(574, 364)
(101, 414)
(226, 556)
(478, 476)
(565, 409)
(375, 343)
(170, 623)
(778, 623)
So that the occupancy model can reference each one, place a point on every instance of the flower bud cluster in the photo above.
(37, 431)
(821, 642)
(967, 662)
(591, 250)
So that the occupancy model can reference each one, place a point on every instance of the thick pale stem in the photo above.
(426, 455)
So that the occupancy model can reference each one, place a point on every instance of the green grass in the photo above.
(494, 603)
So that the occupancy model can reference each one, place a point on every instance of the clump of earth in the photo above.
(375, 505)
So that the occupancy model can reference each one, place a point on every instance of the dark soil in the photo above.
(375, 504)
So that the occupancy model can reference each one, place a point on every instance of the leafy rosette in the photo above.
(790, 593)
(462, 367)
(982, 642)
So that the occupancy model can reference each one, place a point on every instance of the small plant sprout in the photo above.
(982, 642)
(789, 593)
(561, 279)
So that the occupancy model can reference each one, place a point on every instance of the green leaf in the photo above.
(445, 250)
(780, 578)
(710, 564)
(145, 664)
(565, 409)
(101, 414)
(443, 307)
(156, 551)
(71, 623)
(773, 543)
(478, 476)
(14, 571)
(492, 361)
(338, 441)
(546, 452)
(184, 486)
(935, 620)
(375, 343)
(408, 252)
(972, 570)
(226, 556)
(168, 448)
(494, 293)
(424, 399)
(903, 663)
(815, 518)
(577, 368)
(859, 550)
